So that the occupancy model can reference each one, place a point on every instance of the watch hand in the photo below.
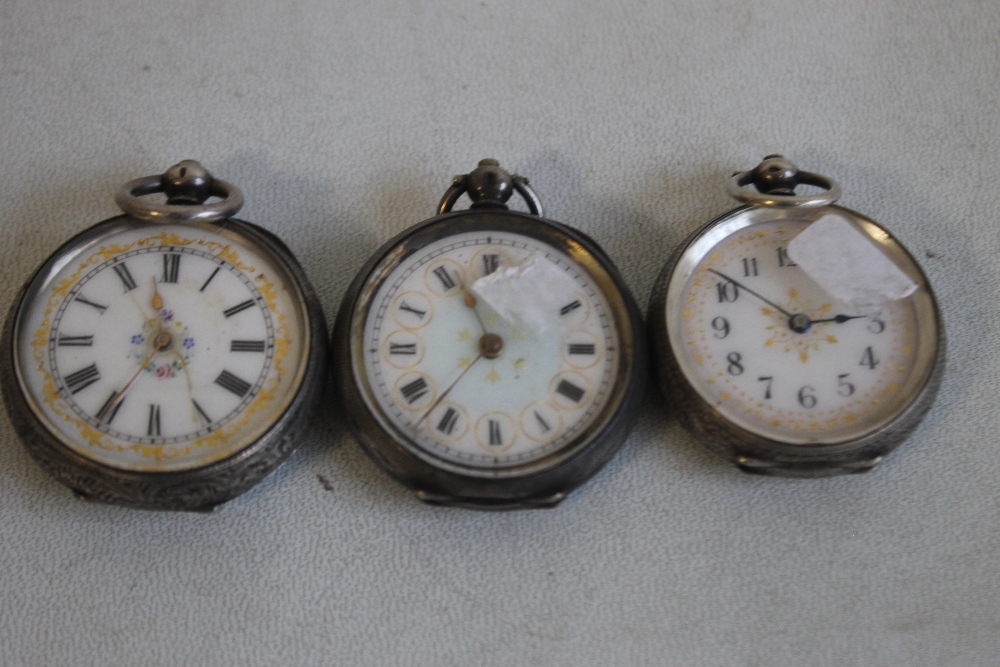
(839, 319)
(470, 300)
(161, 342)
(448, 390)
(157, 305)
(187, 379)
(744, 287)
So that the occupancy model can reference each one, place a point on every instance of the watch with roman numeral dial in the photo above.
(489, 358)
(167, 358)
(796, 337)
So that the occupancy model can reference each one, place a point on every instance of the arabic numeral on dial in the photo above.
(721, 326)
(783, 258)
(769, 379)
(876, 325)
(749, 267)
(735, 366)
(845, 388)
(728, 292)
(807, 398)
(868, 359)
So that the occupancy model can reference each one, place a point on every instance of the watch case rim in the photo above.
(543, 482)
(757, 454)
(197, 489)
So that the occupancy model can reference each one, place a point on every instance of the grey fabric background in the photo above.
(343, 123)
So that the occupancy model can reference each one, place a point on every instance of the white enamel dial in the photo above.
(836, 372)
(162, 348)
(469, 387)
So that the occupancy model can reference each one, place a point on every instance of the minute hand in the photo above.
(744, 287)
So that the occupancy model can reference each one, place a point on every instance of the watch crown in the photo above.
(776, 175)
(489, 185)
(187, 182)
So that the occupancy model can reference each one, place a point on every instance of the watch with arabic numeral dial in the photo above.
(796, 337)
(488, 358)
(167, 358)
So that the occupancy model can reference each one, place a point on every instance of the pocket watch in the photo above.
(166, 358)
(488, 358)
(796, 337)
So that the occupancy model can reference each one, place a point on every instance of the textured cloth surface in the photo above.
(343, 123)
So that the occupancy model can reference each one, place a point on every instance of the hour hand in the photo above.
(839, 319)
(747, 289)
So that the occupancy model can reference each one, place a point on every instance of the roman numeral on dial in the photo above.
(98, 306)
(410, 309)
(582, 348)
(123, 273)
(81, 379)
(210, 278)
(496, 437)
(171, 267)
(201, 413)
(570, 391)
(108, 411)
(570, 307)
(402, 348)
(446, 280)
(247, 346)
(238, 308)
(448, 421)
(75, 341)
(233, 384)
(153, 426)
(541, 422)
(490, 263)
(412, 391)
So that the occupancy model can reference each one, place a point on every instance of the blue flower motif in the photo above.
(188, 343)
(138, 339)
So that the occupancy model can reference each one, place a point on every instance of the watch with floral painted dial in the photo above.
(796, 337)
(169, 357)
(489, 358)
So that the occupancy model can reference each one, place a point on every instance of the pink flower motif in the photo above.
(164, 371)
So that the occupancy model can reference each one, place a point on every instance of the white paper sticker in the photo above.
(847, 264)
(526, 294)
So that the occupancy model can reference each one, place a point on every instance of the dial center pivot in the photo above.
(491, 345)
(162, 341)
(799, 323)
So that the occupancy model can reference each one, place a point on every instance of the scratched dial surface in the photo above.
(162, 348)
(428, 376)
(846, 374)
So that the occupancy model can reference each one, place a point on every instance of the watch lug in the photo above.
(806, 469)
(85, 497)
(440, 500)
